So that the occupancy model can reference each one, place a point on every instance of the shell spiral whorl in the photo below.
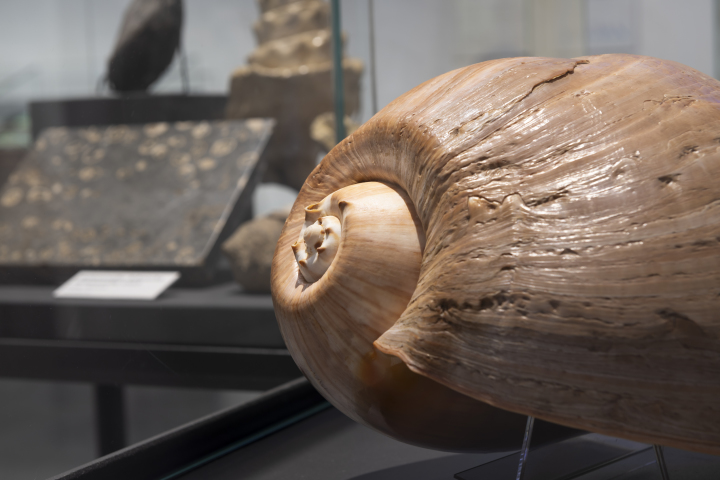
(341, 304)
(571, 268)
(318, 243)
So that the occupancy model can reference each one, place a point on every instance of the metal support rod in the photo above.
(89, 39)
(373, 69)
(184, 75)
(525, 448)
(716, 35)
(661, 462)
(109, 418)
(339, 89)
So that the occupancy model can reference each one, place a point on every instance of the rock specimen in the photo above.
(289, 78)
(322, 130)
(149, 37)
(9, 159)
(251, 248)
(153, 195)
(538, 234)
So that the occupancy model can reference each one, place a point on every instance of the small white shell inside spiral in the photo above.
(319, 240)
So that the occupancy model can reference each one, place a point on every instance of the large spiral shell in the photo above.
(570, 214)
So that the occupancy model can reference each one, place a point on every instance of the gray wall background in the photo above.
(59, 48)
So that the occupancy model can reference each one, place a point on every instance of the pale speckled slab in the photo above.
(147, 195)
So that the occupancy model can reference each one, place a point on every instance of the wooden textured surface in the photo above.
(572, 215)
(147, 195)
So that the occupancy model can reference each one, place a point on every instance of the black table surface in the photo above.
(215, 315)
(288, 433)
(330, 446)
(209, 337)
(292, 433)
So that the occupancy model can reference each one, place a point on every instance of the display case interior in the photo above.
(174, 136)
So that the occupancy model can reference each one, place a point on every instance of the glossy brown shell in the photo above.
(571, 210)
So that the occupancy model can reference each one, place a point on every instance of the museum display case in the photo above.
(151, 155)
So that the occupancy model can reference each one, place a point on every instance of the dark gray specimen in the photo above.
(154, 195)
(149, 37)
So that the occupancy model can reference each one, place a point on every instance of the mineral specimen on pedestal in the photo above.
(250, 250)
(289, 78)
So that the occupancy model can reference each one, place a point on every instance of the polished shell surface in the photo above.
(571, 210)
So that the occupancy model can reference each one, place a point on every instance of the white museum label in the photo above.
(107, 284)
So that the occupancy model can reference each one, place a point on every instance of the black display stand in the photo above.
(594, 457)
(212, 337)
(291, 432)
(130, 109)
(573, 458)
(197, 443)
